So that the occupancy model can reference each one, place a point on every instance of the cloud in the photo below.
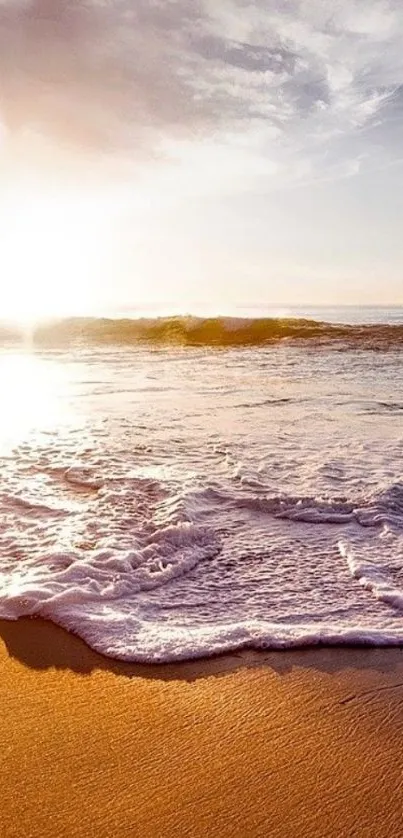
(98, 74)
(129, 77)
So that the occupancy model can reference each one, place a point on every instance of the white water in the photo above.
(167, 504)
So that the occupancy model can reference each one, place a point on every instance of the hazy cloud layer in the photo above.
(129, 76)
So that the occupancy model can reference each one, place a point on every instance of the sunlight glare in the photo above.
(32, 390)
(48, 258)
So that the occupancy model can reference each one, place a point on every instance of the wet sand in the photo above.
(286, 744)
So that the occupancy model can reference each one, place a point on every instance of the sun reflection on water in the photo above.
(34, 391)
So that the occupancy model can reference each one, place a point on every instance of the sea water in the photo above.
(168, 501)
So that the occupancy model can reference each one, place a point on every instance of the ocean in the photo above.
(181, 487)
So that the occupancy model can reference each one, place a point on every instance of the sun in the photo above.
(49, 256)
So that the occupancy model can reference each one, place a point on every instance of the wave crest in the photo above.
(214, 331)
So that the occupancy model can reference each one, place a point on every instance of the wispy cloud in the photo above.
(291, 79)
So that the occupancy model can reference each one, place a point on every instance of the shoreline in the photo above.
(252, 744)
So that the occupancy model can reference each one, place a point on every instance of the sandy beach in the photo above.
(279, 744)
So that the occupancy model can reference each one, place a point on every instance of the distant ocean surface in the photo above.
(182, 488)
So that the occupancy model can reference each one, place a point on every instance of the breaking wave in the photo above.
(214, 331)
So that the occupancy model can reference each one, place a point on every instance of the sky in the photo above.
(200, 151)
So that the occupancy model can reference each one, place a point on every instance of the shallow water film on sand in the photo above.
(167, 502)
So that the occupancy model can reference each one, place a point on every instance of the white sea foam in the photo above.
(373, 577)
(106, 575)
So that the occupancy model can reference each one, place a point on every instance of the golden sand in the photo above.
(282, 744)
